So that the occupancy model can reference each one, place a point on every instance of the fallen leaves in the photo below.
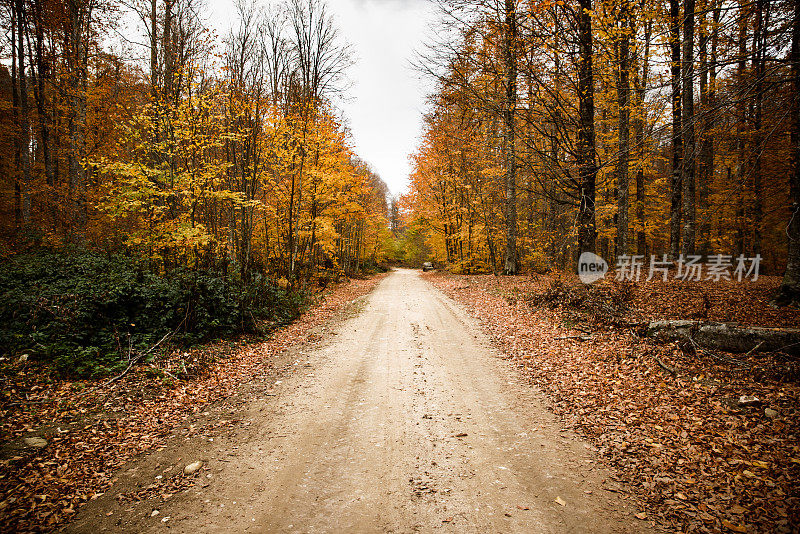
(91, 431)
(697, 460)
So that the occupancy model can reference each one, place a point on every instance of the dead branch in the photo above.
(668, 368)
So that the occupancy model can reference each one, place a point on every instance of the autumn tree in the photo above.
(592, 107)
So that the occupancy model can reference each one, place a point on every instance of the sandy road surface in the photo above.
(405, 420)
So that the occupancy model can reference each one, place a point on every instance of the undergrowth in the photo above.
(86, 313)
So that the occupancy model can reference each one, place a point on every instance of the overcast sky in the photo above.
(384, 109)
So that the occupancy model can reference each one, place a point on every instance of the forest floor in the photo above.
(665, 417)
(521, 404)
(399, 417)
(62, 442)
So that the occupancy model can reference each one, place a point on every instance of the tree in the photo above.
(509, 137)
(676, 182)
(789, 292)
(587, 169)
(623, 102)
(687, 124)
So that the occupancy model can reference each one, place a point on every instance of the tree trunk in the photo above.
(741, 133)
(79, 16)
(730, 338)
(687, 123)
(677, 139)
(15, 122)
(759, 51)
(623, 92)
(705, 168)
(641, 235)
(587, 231)
(154, 49)
(167, 51)
(789, 292)
(24, 119)
(40, 91)
(509, 138)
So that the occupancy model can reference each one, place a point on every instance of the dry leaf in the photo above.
(733, 527)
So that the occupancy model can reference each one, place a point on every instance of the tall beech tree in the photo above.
(790, 289)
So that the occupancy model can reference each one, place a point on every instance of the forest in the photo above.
(170, 169)
(197, 326)
(627, 127)
(657, 129)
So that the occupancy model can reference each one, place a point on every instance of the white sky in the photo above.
(384, 109)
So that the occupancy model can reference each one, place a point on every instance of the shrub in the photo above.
(84, 311)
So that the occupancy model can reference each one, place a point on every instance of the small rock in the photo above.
(165, 519)
(23, 358)
(154, 513)
(36, 442)
(192, 467)
(749, 400)
(560, 501)
(769, 412)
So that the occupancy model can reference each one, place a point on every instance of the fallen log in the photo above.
(728, 337)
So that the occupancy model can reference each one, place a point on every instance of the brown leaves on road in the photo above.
(92, 431)
(696, 460)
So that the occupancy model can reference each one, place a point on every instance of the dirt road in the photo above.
(403, 420)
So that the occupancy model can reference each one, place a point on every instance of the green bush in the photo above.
(84, 311)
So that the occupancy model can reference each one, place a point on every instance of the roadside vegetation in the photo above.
(90, 314)
(62, 437)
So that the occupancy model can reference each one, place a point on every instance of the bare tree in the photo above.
(321, 57)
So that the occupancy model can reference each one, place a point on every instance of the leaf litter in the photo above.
(679, 442)
(92, 430)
